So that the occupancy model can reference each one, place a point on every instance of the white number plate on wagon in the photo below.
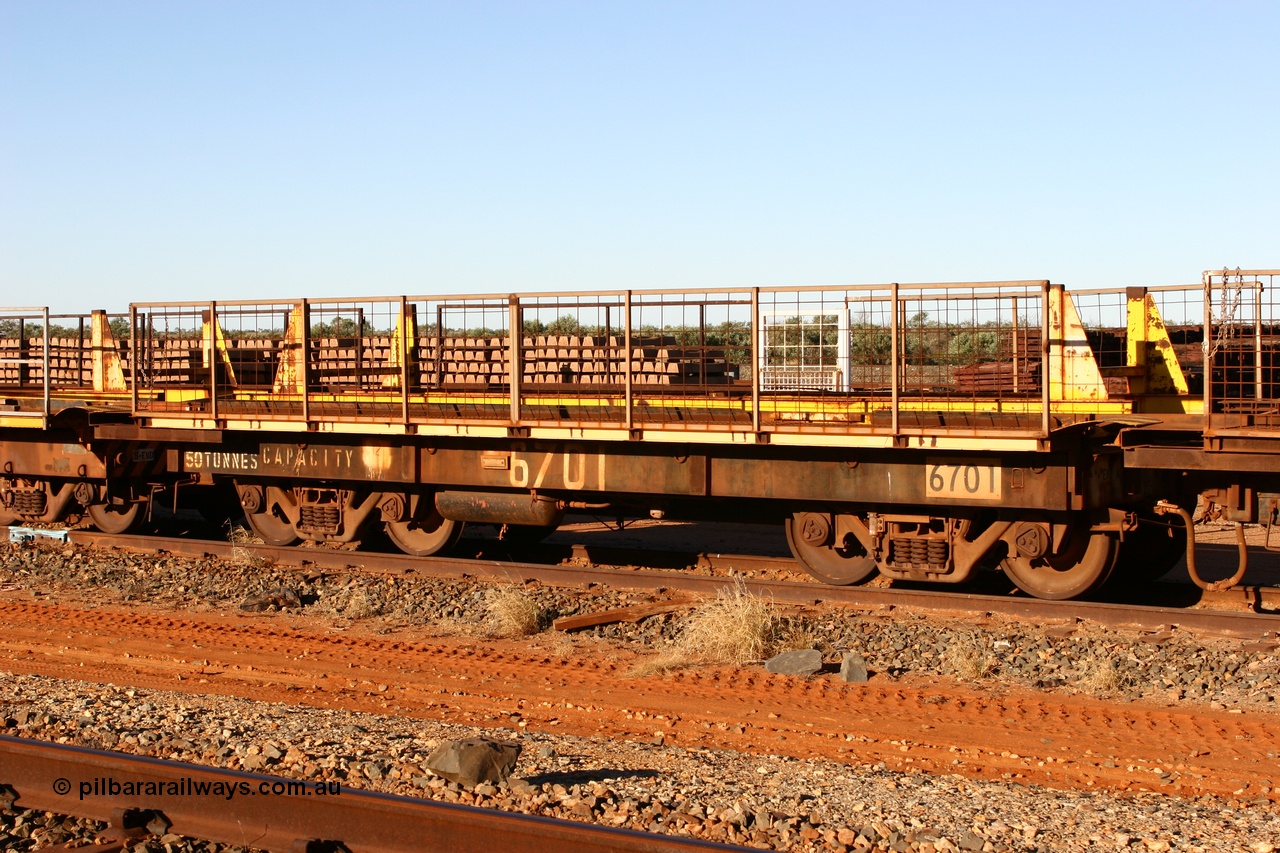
(975, 482)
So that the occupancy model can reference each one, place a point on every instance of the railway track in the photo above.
(148, 796)
(1242, 611)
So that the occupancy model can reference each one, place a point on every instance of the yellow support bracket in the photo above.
(108, 374)
(291, 372)
(1149, 348)
(1073, 371)
(403, 346)
(214, 345)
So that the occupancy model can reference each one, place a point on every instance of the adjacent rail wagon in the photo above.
(924, 431)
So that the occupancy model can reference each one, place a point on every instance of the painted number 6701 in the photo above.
(977, 481)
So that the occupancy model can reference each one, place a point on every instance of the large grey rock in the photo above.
(474, 760)
(853, 668)
(798, 662)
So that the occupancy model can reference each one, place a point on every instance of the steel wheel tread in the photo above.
(117, 518)
(425, 537)
(1083, 565)
(271, 530)
(838, 567)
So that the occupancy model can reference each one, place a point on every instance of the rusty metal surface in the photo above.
(635, 469)
(362, 821)
(50, 459)
(1197, 459)
(368, 460)
(1251, 624)
(866, 476)
(496, 508)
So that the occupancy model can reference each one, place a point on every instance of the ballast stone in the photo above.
(474, 761)
(853, 668)
(798, 662)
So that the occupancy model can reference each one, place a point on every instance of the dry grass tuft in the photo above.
(450, 626)
(966, 658)
(1100, 676)
(360, 604)
(239, 536)
(660, 664)
(795, 637)
(734, 627)
(512, 612)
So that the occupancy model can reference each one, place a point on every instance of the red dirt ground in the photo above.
(1061, 741)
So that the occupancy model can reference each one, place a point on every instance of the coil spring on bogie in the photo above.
(913, 551)
(28, 501)
(319, 518)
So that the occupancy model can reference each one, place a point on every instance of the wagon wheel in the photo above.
(426, 535)
(117, 518)
(1082, 564)
(810, 535)
(264, 518)
(270, 529)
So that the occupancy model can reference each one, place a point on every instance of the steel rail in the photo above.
(76, 781)
(1243, 624)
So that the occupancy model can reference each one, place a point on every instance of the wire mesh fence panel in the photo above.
(573, 360)
(1244, 334)
(1104, 314)
(87, 352)
(259, 353)
(1131, 330)
(970, 358)
(354, 359)
(691, 360)
(857, 359)
(460, 368)
(172, 370)
(823, 357)
(1181, 310)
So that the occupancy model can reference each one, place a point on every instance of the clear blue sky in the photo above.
(197, 150)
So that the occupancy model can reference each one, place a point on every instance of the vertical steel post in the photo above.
(80, 354)
(214, 361)
(133, 356)
(1205, 346)
(1045, 382)
(1257, 340)
(48, 363)
(515, 340)
(24, 353)
(626, 362)
(756, 332)
(439, 359)
(894, 351)
(1015, 345)
(404, 359)
(306, 364)
(359, 366)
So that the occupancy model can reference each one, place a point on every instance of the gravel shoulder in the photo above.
(1051, 738)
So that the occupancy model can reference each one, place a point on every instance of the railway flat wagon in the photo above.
(924, 431)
